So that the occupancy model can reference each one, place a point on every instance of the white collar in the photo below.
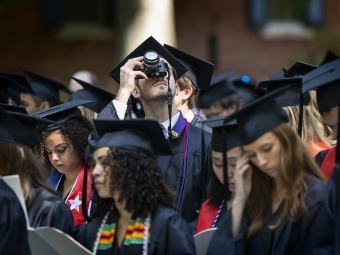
(165, 124)
(189, 116)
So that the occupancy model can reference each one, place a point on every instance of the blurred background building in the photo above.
(256, 37)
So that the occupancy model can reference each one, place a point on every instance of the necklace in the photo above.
(218, 214)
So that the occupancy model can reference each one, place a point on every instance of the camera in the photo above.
(153, 65)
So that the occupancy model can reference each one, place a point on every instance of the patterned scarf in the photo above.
(74, 198)
(104, 242)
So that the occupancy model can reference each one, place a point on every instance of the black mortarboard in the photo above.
(296, 70)
(133, 134)
(8, 126)
(99, 96)
(326, 80)
(150, 44)
(245, 88)
(9, 88)
(219, 89)
(233, 139)
(46, 87)
(329, 57)
(29, 126)
(291, 97)
(199, 71)
(62, 113)
(14, 108)
(259, 117)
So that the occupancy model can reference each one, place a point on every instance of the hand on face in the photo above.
(243, 178)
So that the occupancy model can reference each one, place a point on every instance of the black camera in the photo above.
(153, 66)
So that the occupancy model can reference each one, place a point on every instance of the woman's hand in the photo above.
(243, 179)
(243, 183)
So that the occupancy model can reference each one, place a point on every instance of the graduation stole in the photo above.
(136, 238)
(74, 198)
(328, 163)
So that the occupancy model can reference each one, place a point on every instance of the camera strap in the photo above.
(169, 98)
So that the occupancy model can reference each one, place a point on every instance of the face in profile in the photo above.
(61, 153)
(101, 179)
(27, 101)
(331, 119)
(217, 159)
(265, 153)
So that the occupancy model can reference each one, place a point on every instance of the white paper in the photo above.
(202, 240)
(13, 181)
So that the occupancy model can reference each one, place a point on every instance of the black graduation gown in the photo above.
(50, 210)
(169, 234)
(288, 238)
(13, 229)
(195, 187)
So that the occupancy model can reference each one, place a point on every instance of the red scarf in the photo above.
(206, 216)
(328, 162)
(74, 198)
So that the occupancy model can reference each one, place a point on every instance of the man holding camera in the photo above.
(152, 81)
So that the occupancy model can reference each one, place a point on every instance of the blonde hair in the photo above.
(313, 129)
(296, 165)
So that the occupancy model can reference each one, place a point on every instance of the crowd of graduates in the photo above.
(176, 152)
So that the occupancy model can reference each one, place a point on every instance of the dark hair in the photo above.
(228, 101)
(75, 132)
(138, 179)
(27, 166)
(216, 190)
(38, 100)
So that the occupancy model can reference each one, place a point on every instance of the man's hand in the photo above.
(127, 79)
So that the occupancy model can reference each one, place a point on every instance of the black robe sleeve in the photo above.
(170, 234)
(86, 233)
(50, 210)
(13, 229)
(288, 238)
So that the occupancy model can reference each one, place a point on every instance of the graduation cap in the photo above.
(28, 133)
(244, 87)
(99, 96)
(46, 87)
(224, 138)
(326, 80)
(133, 134)
(259, 117)
(62, 113)
(298, 69)
(9, 88)
(219, 89)
(199, 71)
(217, 127)
(329, 57)
(291, 97)
(14, 108)
(150, 44)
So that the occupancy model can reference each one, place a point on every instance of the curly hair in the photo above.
(138, 179)
(75, 132)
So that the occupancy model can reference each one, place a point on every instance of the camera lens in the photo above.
(151, 60)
